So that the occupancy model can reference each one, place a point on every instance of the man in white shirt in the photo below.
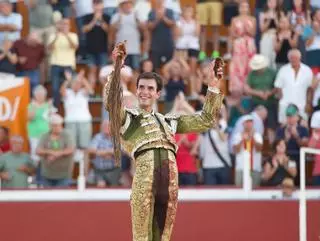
(294, 86)
(10, 22)
(248, 141)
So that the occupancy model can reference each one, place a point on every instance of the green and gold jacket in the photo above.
(143, 130)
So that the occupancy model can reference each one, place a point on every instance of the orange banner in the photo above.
(14, 100)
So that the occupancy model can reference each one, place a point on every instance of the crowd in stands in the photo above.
(271, 108)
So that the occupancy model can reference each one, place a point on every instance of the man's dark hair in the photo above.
(151, 75)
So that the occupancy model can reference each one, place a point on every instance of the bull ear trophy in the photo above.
(115, 100)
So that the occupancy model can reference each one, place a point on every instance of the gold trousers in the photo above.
(154, 195)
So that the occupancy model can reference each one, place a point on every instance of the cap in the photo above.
(292, 110)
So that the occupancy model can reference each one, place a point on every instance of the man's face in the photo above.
(98, 7)
(147, 93)
(248, 125)
(292, 120)
(295, 60)
(126, 7)
(56, 128)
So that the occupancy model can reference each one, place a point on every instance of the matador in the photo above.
(149, 137)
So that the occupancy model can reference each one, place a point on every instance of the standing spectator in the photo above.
(260, 86)
(294, 134)
(56, 151)
(8, 58)
(243, 29)
(75, 92)
(96, 27)
(10, 23)
(15, 166)
(299, 15)
(4, 140)
(187, 145)
(269, 21)
(214, 153)
(62, 45)
(161, 23)
(31, 53)
(313, 48)
(101, 147)
(294, 86)
(285, 40)
(210, 14)
(279, 166)
(126, 26)
(251, 141)
(314, 142)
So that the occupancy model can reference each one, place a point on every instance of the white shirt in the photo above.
(294, 89)
(107, 70)
(210, 159)
(76, 106)
(15, 19)
(257, 156)
(188, 38)
(83, 7)
(128, 30)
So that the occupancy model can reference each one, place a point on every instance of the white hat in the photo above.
(315, 120)
(258, 62)
(247, 118)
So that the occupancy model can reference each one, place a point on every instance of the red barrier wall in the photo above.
(196, 221)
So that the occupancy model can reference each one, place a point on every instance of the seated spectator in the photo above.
(314, 142)
(188, 30)
(187, 145)
(10, 22)
(62, 46)
(75, 92)
(63, 6)
(56, 151)
(214, 154)
(125, 25)
(285, 40)
(101, 147)
(294, 134)
(160, 24)
(4, 140)
(31, 53)
(279, 166)
(294, 86)
(243, 29)
(15, 166)
(249, 140)
(313, 48)
(41, 19)
(260, 86)
(8, 58)
(176, 75)
(95, 28)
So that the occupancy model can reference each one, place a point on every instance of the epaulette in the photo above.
(134, 111)
(171, 116)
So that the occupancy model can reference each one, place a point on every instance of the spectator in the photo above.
(4, 140)
(210, 14)
(313, 48)
(56, 151)
(214, 153)
(260, 86)
(187, 145)
(101, 147)
(63, 6)
(243, 31)
(188, 31)
(279, 166)
(175, 74)
(294, 134)
(8, 58)
(39, 111)
(63, 45)
(161, 23)
(31, 53)
(285, 40)
(299, 15)
(294, 86)
(269, 21)
(288, 188)
(75, 92)
(10, 23)
(146, 66)
(314, 142)
(126, 26)
(15, 166)
(249, 140)
(96, 27)
(41, 19)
